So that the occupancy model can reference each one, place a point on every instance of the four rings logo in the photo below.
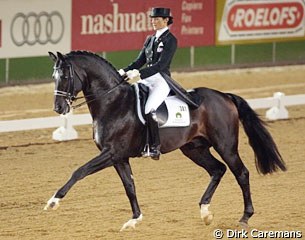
(35, 28)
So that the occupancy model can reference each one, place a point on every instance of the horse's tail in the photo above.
(267, 157)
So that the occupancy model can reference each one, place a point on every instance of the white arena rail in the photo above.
(277, 104)
(64, 123)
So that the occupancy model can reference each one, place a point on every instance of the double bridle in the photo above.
(69, 94)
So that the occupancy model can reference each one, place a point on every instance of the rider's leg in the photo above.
(154, 139)
(158, 91)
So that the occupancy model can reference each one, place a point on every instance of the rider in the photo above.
(157, 54)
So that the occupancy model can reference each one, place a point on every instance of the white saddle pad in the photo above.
(178, 113)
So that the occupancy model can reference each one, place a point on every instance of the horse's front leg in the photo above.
(124, 170)
(96, 164)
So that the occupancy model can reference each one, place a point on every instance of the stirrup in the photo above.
(145, 153)
(155, 154)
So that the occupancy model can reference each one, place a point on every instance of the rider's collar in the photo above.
(160, 32)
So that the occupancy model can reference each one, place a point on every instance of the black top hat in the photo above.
(162, 12)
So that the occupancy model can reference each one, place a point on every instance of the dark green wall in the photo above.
(39, 69)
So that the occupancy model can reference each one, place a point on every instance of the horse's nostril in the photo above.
(57, 108)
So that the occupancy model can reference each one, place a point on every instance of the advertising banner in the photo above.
(242, 21)
(34, 27)
(114, 25)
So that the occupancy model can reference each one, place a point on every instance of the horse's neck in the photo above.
(99, 73)
(104, 102)
(98, 79)
(103, 88)
(102, 81)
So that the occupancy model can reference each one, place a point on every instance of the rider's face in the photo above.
(159, 22)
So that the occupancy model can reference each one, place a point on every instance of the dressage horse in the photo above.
(120, 135)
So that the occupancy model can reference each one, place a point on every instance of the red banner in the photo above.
(114, 25)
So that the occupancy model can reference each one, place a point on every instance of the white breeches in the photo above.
(158, 91)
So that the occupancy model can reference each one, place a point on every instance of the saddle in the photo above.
(173, 112)
(192, 100)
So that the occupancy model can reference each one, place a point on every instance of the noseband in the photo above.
(69, 94)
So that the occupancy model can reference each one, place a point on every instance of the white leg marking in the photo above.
(132, 223)
(52, 203)
(206, 215)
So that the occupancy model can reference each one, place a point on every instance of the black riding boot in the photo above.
(154, 139)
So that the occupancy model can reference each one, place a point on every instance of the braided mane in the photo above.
(91, 54)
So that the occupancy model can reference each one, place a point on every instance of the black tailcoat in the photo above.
(157, 55)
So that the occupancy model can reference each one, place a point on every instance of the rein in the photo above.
(69, 95)
(94, 99)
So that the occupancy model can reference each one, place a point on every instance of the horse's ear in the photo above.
(52, 56)
(60, 56)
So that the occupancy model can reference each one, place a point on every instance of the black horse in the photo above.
(119, 134)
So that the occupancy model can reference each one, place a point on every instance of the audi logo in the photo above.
(35, 28)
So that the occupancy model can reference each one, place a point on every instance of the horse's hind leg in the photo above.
(199, 153)
(241, 174)
(223, 137)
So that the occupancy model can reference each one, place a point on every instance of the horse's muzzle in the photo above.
(62, 109)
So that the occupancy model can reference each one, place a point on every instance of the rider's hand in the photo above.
(133, 73)
(122, 72)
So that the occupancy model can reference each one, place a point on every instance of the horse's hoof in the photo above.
(53, 203)
(243, 225)
(206, 215)
(132, 223)
(208, 219)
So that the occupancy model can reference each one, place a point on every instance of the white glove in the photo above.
(122, 72)
(133, 73)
